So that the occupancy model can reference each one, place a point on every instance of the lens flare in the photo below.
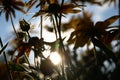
(55, 58)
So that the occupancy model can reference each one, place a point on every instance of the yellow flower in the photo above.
(85, 30)
(56, 8)
(8, 7)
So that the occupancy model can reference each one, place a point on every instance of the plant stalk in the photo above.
(55, 28)
(61, 42)
(13, 26)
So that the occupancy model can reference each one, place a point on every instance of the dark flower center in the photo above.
(6, 3)
(53, 8)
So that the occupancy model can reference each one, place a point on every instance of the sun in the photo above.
(55, 58)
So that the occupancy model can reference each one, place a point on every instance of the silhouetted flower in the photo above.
(85, 30)
(8, 7)
(56, 8)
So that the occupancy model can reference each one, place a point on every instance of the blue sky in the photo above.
(100, 13)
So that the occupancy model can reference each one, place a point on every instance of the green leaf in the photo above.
(54, 45)
(3, 48)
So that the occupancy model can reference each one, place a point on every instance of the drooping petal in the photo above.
(111, 20)
(69, 8)
(38, 13)
(81, 40)
(31, 5)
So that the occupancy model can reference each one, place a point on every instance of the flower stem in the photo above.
(55, 28)
(13, 26)
(61, 43)
(94, 50)
(41, 22)
(41, 18)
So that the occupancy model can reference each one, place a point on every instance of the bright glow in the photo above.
(55, 58)
(46, 53)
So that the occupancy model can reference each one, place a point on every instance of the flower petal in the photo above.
(111, 20)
